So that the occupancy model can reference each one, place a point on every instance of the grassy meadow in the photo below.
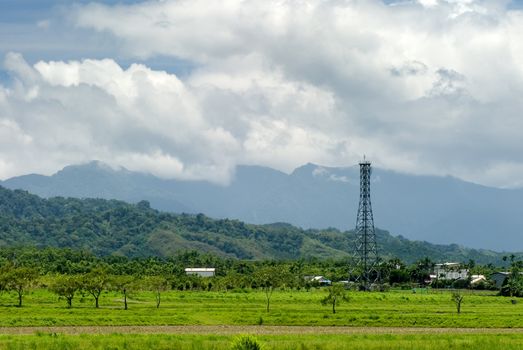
(289, 308)
(279, 342)
(245, 308)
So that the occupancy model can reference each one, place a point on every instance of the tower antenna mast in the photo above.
(366, 248)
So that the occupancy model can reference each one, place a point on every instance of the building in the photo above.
(318, 280)
(201, 271)
(475, 279)
(499, 278)
(449, 271)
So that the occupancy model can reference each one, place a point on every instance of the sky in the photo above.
(188, 89)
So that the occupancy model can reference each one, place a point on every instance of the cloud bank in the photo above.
(428, 87)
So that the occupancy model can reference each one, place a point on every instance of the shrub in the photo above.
(245, 342)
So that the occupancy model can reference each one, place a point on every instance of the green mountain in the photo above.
(111, 227)
(440, 210)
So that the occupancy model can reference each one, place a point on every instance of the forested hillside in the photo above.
(110, 227)
(441, 210)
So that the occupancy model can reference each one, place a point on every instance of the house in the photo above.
(318, 280)
(201, 271)
(499, 278)
(475, 279)
(449, 271)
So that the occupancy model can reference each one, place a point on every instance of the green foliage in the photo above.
(457, 298)
(294, 308)
(448, 340)
(17, 279)
(158, 284)
(66, 286)
(114, 228)
(123, 284)
(95, 282)
(268, 278)
(336, 293)
(245, 342)
(513, 284)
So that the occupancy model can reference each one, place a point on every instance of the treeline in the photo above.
(66, 272)
(110, 227)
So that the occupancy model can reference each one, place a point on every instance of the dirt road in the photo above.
(260, 330)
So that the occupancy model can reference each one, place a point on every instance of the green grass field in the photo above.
(280, 342)
(296, 308)
(399, 309)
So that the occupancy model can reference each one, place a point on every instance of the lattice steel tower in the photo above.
(366, 248)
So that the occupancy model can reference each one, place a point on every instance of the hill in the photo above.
(111, 227)
(436, 209)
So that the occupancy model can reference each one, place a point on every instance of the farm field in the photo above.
(276, 342)
(297, 320)
(296, 308)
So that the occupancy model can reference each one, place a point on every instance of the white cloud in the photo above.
(66, 112)
(426, 86)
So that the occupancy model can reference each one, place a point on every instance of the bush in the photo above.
(245, 342)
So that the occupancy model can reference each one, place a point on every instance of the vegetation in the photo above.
(245, 342)
(513, 284)
(457, 298)
(110, 227)
(268, 278)
(17, 279)
(135, 256)
(66, 286)
(52, 341)
(245, 307)
(336, 294)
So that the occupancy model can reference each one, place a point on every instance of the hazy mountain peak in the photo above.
(93, 165)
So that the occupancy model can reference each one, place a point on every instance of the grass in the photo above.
(396, 308)
(287, 342)
(297, 308)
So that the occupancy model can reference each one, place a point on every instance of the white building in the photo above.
(201, 271)
(450, 271)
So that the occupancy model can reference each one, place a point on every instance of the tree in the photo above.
(421, 270)
(123, 284)
(513, 284)
(268, 278)
(457, 298)
(158, 284)
(18, 279)
(66, 286)
(336, 294)
(95, 282)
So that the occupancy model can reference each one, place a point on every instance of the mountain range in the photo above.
(110, 227)
(441, 210)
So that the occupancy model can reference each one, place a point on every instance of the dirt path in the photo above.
(260, 330)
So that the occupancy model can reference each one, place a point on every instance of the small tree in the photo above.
(95, 282)
(19, 279)
(268, 278)
(66, 286)
(158, 284)
(336, 294)
(123, 284)
(457, 298)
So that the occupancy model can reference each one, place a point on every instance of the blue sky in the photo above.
(191, 88)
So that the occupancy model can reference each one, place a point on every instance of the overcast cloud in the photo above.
(426, 87)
